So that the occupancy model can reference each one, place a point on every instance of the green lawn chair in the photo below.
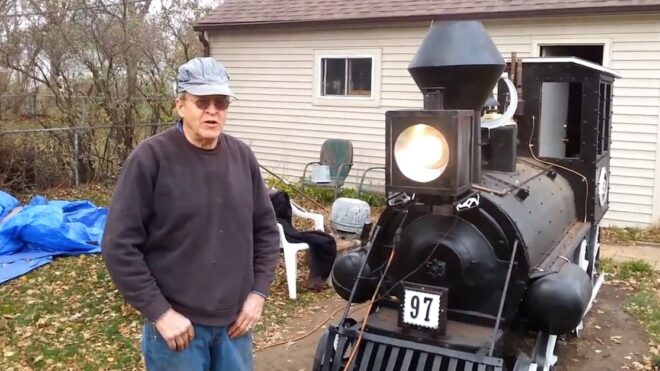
(337, 154)
(368, 189)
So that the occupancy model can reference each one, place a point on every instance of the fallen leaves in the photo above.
(68, 315)
(629, 236)
(644, 285)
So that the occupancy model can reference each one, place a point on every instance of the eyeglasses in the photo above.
(220, 103)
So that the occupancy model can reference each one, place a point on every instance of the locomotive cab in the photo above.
(491, 228)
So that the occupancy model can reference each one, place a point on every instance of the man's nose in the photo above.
(217, 105)
(213, 107)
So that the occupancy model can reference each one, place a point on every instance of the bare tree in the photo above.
(178, 43)
(105, 62)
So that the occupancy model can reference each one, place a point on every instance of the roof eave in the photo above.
(437, 17)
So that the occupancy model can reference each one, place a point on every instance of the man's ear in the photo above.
(179, 106)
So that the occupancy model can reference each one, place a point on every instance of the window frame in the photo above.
(605, 43)
(347, 100)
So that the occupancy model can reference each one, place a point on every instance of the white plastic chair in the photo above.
(291, 249)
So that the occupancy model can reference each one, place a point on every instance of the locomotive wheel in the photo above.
(544, 353)
(594, 270)
(320, 350)
(522, 363)
(323, 343)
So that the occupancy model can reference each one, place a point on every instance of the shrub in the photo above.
(29, 162)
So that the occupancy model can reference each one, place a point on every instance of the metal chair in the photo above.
(291, 250)
(361, 184)
(337, 154)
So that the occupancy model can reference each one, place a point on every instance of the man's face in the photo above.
(204, 116)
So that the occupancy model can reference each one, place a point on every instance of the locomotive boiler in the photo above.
(490, 233)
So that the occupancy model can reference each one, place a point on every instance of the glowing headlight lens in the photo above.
(422, 153)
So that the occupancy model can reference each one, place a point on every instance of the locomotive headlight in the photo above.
(429, 152)
(421, 153)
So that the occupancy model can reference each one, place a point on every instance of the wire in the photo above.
(384, 274)
(294, 188)
(328, 318)
(397, 239)
(335, 282)
(371, 302)
(374, 235)
(435, 247)
(366, 315)
(346, 306)
(586, 182)
(373, 299)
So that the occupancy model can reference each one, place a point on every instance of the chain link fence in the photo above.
(48, 141)
(64, 157)
(31, 105)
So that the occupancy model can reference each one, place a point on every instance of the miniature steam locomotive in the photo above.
(491, 228)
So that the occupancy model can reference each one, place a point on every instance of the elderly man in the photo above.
(191, 238)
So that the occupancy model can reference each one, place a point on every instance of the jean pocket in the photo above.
(150, 334)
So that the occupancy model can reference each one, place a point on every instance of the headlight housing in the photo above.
(429, 151)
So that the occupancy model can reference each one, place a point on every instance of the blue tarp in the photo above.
(42, 229)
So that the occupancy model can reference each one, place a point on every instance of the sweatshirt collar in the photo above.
(179, 127)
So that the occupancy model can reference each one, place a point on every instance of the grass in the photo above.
(325, 195)
(68, 315)
(644, 304)
(628, 236)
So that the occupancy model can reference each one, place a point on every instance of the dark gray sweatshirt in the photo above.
(191, 229)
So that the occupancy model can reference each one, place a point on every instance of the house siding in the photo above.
(272, 72)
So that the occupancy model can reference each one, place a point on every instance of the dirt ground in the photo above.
(611, 340)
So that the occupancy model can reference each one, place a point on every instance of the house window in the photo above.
(591, 53)
(346, 76)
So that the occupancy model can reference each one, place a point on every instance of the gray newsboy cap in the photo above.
(203, 76)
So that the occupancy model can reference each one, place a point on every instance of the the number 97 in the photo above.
(414, 304)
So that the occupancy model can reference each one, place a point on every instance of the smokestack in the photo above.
(461, 58)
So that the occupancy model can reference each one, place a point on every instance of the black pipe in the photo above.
(434, 98)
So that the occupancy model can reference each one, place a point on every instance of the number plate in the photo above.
(424, 308)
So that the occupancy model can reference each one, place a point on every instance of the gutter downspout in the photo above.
(205, 42)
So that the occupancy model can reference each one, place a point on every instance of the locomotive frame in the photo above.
(508, 228)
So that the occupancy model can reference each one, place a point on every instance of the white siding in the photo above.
(272, 73)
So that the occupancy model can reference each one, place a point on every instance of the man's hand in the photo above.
(249, 316)
(176, 329)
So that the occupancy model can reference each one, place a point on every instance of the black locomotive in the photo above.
(491, 228)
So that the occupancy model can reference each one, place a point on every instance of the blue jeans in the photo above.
(210, 350)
